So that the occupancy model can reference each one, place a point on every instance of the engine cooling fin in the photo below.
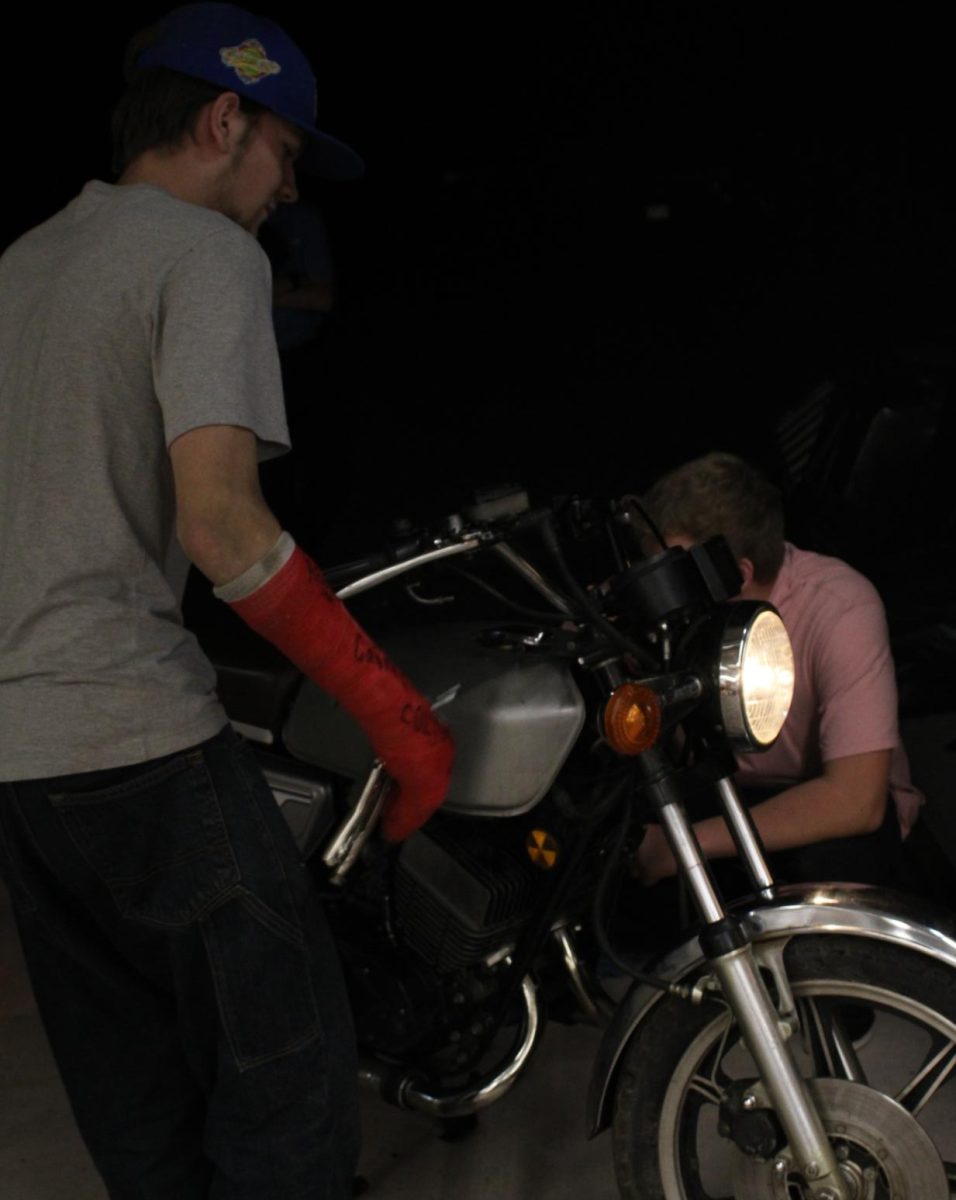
(457, 900)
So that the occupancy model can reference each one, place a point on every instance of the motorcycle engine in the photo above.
(459, 899)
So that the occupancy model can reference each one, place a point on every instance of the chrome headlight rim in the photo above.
(737, 640)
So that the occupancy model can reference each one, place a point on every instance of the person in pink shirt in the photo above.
(832, 798)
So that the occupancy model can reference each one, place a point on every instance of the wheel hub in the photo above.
(884, 1153)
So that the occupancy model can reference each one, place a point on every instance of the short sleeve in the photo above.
(856, 684)
(215, 360)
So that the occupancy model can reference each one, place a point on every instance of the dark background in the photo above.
(591, 245)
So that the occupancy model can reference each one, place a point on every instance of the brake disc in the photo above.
(883, 1152)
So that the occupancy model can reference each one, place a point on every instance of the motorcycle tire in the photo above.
(892, 1126)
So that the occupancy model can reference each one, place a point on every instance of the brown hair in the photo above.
(159, 107)
(722, 494)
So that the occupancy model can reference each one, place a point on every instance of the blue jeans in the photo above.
(186, 977)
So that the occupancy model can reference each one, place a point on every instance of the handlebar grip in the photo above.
(368, 563)
(359, 566)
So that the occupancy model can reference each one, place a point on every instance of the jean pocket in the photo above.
(157, 840)
(260, 968)
(10, 872)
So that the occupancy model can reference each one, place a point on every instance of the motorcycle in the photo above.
(581, 713)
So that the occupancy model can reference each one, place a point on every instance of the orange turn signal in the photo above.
(632, 719)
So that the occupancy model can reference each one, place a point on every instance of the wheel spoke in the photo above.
(827, 1041)
(706, 1088)
(710, 1082)
(931, 1076)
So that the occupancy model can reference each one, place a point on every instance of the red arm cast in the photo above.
(226, 528)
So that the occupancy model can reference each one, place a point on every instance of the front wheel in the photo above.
(885, 1084)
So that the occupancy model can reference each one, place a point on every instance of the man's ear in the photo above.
(747, 570)
(222, 123)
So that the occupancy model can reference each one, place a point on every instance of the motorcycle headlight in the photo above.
(755, 676)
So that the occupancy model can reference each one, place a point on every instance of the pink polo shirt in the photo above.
(845, 700)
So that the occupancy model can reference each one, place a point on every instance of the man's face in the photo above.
(261, 173)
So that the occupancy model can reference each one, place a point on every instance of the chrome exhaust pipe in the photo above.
(595, 1005)
(341, 853)
(409, 1089)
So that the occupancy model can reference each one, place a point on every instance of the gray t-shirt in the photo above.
(125, 320)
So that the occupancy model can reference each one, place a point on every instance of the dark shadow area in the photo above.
(592, 246)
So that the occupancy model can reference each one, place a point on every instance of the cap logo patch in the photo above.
(249, 61)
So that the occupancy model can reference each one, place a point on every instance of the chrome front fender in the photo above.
(829, 908)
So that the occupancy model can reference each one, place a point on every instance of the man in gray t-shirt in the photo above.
(180, 961)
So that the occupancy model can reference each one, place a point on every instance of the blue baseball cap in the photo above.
(253, 57)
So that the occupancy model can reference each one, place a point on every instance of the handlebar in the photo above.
(377, 567)
(399, 568)
(361, 575)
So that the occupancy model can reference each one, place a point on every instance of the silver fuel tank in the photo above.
(514, 709)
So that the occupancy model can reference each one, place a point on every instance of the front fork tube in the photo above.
(731, 960)
(746, 839)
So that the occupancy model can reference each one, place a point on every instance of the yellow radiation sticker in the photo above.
(249, 60)
(542, 849)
